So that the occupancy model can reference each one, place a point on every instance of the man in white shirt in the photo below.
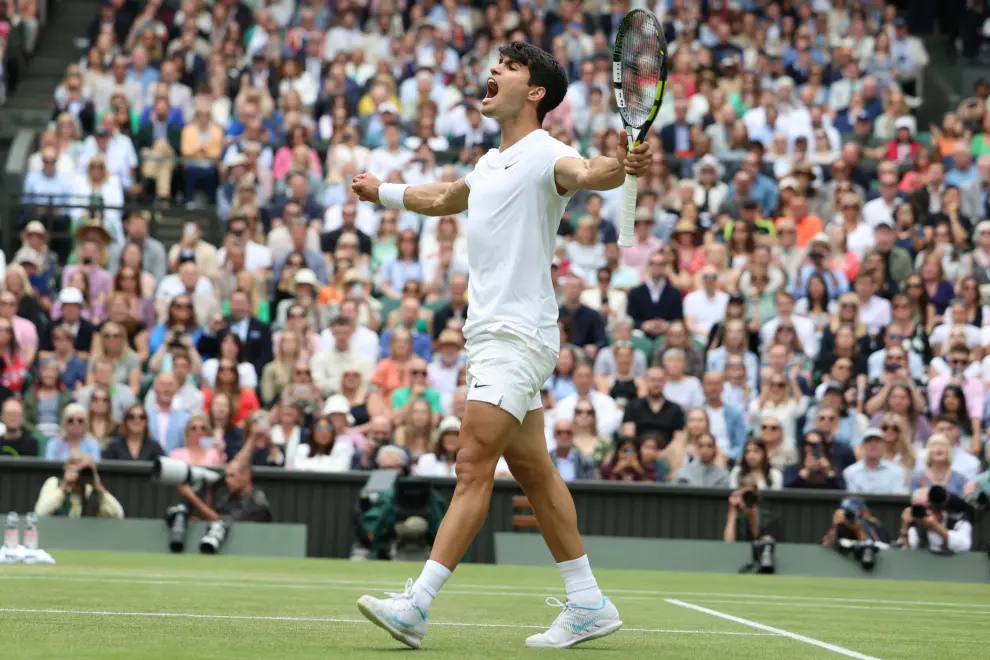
(188, 397)
(684, 390)
(705, 307)
(257, 257)
(336, 355)
(882, 208)
(391, 156)
(443, 371)
(117, 149)
(187, 281)
(957, 539)
(957, 316)
(874, 312)
(803, 326)
(179, 95)
(606, 411)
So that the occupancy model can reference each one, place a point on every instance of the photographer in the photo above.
(243, 503)
(853, 521)
(751, 523)
(944, 518)
(79, 493)
(747, 520)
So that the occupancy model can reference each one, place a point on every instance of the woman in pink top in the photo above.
(198, 447)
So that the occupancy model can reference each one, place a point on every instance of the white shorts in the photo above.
(508, 369)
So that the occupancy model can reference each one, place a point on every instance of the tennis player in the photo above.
(514, 197)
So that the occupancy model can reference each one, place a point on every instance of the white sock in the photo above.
(579, 581)
(429, 584)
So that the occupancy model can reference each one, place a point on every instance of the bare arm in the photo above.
(435, 199)
(599, 173)
(602, 172)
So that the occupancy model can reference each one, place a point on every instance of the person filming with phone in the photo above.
(816, 469)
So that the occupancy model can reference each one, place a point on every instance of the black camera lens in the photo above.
(918, 511)
(937, 496)
(850, 516)
(86, 474)
(749, 498)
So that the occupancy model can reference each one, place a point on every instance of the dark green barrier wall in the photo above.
(325, 504)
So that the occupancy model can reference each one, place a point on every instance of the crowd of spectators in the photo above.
(807, 302)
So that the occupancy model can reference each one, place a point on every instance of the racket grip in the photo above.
(628, 217)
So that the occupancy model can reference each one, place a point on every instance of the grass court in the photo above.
(113, 606)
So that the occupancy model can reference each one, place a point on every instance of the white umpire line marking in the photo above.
(776, 631)
(465, 590)
(314, 583)
(306, 619)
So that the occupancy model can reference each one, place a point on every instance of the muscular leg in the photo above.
(530, 464)
(484, 434)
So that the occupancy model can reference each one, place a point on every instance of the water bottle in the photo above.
(12, 532)
(31, 531)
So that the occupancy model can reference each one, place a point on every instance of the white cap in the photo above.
(449, 423)
(306, 276)
(387, 106)
(338, 405)
(903, 122)
(70, 296)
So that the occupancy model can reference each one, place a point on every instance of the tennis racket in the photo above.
(639, 75)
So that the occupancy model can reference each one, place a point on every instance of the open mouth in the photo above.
(492, 88)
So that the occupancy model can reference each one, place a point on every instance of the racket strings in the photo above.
(643, 64)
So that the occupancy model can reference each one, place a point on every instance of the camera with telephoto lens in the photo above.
(85, 476)
(216, 535)
(750, 499)
(177, 519)
(171, 472)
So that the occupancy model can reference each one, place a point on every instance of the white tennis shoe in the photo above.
(577, 624)
(398, 615)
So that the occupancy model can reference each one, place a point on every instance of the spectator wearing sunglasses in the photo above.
(197, 446)
(134, 441)
(418, 388)
(73, 437)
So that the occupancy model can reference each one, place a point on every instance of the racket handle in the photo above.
(628, 217)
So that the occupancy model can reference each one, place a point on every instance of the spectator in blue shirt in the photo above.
(47, 187)
(422, 343)
(963, 170)
(874, 474)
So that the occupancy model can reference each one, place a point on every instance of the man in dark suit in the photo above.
(655, 302)
(587, 325)
(255, 336)
(456, 308)
(676, 137)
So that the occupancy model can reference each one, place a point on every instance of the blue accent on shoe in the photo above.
(600, 606)
(421, 611)
(402, 624)
(581, 627)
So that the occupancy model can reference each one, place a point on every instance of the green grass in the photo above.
(107, 605)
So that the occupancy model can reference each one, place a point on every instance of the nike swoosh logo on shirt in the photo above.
(479, 386)
(510, 165)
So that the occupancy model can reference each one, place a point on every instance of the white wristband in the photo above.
(391, 195)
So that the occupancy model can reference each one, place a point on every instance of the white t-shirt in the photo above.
(875, 314)
(705, 311)
(877, 210)
(514, 211)
(686, 392)
(256, 256)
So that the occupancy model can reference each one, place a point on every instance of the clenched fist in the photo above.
(365, 186)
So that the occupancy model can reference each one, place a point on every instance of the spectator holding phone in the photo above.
(816, 470)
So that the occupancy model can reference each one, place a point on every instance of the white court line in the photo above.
(304, 619)
(462, 590)
(489, 589)
(770, 629)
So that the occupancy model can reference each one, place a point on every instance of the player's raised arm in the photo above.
(603, 172)
(433, 199)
